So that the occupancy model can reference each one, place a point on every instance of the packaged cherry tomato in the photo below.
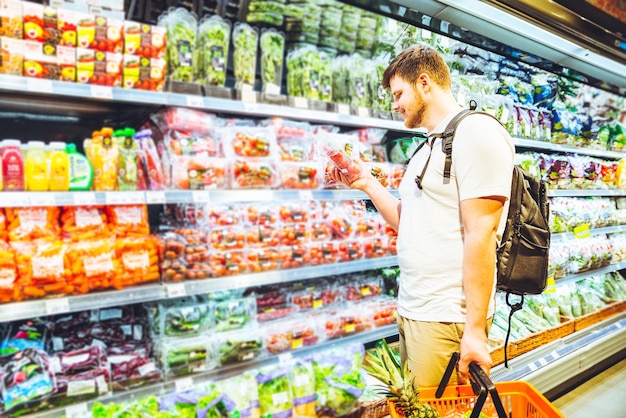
(395, 177)
(285, 128)
(184, 255)
(227, 238)
(294, 234)
(299, 175)
(351, 250)
(129, 220)
(263, 259)
(80, 223)
(368, 226)
(227, 263)
(249, 142)
(375, 246)
(260, 213)
(9, 291)
(297, 212)
(43, 268)
(295, 149)
(31, 223)
(294, 256)
(262, 236)
(324, 252)
(340, 224)
(382, 308)
(199, 173)
(347, 321)
(381, 172)
(392, 245)
(253, 173)
(291, 335)
(320, 231)
(339, 149)
(227, 214)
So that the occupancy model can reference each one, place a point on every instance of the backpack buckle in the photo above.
(446, 144)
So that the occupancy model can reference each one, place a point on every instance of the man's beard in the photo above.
(414, 119)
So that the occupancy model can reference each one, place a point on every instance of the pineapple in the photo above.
(383, 364)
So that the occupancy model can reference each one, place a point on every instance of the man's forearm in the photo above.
(478, 276)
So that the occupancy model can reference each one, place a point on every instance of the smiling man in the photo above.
(447, 232)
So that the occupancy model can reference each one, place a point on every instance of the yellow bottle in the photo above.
(59, 167)
(36, 167)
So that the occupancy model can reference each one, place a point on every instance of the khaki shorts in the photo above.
(428, 347)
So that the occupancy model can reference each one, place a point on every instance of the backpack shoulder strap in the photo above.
(448, 135)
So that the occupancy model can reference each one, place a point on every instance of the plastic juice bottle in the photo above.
(81, 172)
(127, 169)
(36, 167)
(12, 165)
(59, 167)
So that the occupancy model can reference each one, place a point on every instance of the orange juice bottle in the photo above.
(59, 167)
(36, 167)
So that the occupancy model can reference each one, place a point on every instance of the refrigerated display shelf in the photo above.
(64, 90)
(147, 293)
(563, 236)
(586, 193)
(81, 410)
(566, 149)
(553, 364)
(24, 199)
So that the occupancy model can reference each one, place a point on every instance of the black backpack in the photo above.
(522, 256)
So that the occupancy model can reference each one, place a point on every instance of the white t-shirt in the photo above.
(430, 234)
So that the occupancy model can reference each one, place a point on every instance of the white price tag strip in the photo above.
(301, 102)
(285, 359)
(77, 411)
(115, 198)
(57, 306)
(363, 112)
(39, 85)
(135, 197)
(85, 198)
(42, 199)
(200, 196)
(15, 199)
(444, 26)
(343, 109)
(176, 290)
(101, 92)
(155, 197)
(542, 362)
(532, 367)
(306, 195)
(553, 355)
(183, 385)
(248, 96)
(195, 101)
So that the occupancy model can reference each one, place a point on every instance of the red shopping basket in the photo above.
(508, 399)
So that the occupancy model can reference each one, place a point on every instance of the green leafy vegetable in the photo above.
(212, 51)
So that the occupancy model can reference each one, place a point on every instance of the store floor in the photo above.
(602, 396)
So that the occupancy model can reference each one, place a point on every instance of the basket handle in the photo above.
(482, 386)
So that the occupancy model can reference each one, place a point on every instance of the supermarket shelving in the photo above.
(553, 364)
(81, 409)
